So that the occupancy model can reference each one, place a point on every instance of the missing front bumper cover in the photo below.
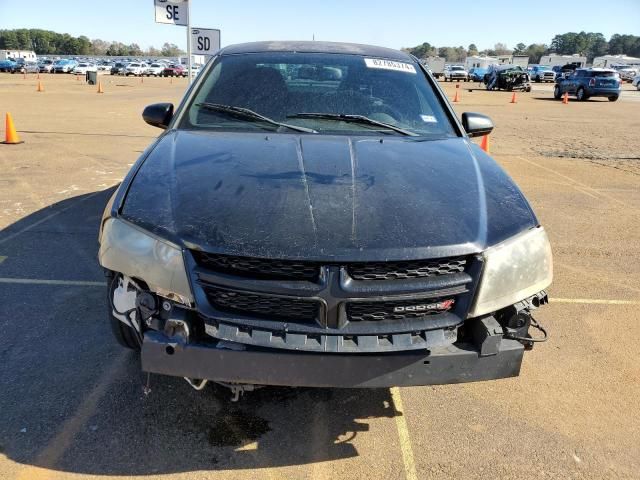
(457, 363)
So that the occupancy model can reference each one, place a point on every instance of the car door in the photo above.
(571, 83)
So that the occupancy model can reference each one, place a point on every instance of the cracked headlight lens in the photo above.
(128, 249)
(513, 271)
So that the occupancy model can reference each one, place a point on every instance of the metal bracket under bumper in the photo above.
(453, 364)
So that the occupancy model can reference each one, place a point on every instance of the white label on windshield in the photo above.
(428, 119)
(389, 65)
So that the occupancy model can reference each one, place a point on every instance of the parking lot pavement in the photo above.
(72, 400)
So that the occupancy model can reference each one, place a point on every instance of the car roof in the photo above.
(596, 69)
(316, 47)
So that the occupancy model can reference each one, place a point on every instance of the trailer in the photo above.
(16, 54)
(554, 60)
(479, 61)
(608, 61)
(435, 64)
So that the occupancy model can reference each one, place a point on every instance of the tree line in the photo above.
(46, 42)
(589, 44)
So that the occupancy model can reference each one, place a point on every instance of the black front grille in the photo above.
(261, 305)
(406, 269)
(258, 267)
(380, 311)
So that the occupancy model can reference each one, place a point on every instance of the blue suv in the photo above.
(590, 82)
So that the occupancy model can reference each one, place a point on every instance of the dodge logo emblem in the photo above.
(424, 307)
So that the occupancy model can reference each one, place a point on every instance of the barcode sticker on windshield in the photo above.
(390, 65)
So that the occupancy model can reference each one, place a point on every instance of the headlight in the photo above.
(513, 271)
(130, 250)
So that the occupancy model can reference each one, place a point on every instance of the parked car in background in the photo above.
(456, 72)
(636, 82)
(541, 73)
(45, 66)
(565, 70)
(590, 82)
(64, 65)
(105, 67)
(7, 65)
(83, 68)
(627, 73)
(477, 74)
(174, 70)
(25, 66)
(154, 69)
(118, 68)
(136, 68)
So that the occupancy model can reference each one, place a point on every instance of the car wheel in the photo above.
(580, 95)
(613, 98)
(557, 94)
(124, 334)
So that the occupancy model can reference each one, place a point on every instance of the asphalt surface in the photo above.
(72, 401)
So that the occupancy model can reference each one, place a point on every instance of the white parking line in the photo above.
(594, 301)
(403, 435)
(35, 281)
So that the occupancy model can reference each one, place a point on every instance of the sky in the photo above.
(395, 24)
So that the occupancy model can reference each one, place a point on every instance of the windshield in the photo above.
(289, 87)
(457, 68)
(606, 73)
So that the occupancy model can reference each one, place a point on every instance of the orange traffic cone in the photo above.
(514, 98)
(456, 99)
(565, 98)
(11, 136)
(40, 87)
(100, 89)
(484, 145)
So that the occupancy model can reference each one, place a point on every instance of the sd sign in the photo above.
(205, 41)
(173, 12)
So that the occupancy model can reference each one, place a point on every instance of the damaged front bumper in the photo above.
(489, 357)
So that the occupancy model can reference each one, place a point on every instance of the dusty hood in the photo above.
(325, 197)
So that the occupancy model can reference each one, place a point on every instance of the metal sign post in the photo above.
(189, 44)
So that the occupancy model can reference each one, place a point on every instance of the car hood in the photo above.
(324, 197)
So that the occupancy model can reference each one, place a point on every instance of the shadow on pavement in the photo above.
(72, 400)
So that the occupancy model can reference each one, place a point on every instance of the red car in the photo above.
(174, 71)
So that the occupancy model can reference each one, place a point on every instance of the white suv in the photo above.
(136, 68)
(456, 72)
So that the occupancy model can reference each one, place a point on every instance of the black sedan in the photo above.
(315, 214)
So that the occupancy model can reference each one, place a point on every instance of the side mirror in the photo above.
(476, 124)
(158, 115)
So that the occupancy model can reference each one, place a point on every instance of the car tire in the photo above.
(124, 334)
(580, 95)
(557, 94)
(613, 98)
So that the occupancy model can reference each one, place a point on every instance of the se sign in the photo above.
(173, 12)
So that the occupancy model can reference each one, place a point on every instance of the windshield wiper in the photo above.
(355, 119)
(246, 114)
